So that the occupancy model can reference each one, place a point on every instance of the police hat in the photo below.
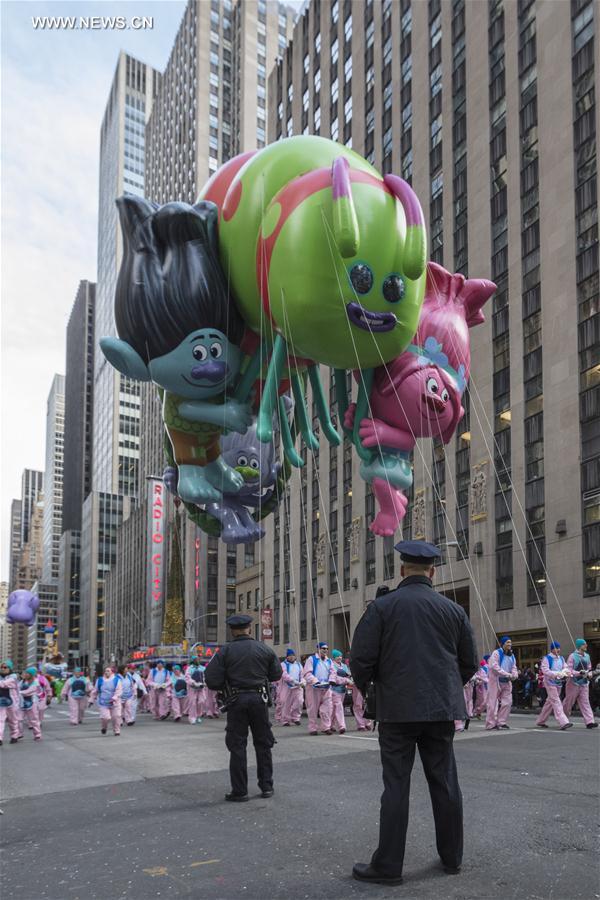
(419, 552)
(239, 621)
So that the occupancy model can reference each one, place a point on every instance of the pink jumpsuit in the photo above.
(77, 701)
(338, 678)
(291, 693)
(160, 685)
(179, 704)
(144, 703)
(358, 708)
(481, 690)
(578, 687)
(194, 676)
(108, 700)
(9, 690)
(279, 700)
(30, 692)
(553, 685)
(211, 708)
(129, 698)
(44, 695)
(318, 699)
(499, 689)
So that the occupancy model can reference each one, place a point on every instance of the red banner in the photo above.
(266, 624)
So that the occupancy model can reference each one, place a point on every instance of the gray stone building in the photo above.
(488, 109)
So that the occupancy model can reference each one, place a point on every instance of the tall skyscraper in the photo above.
(79, 395)
(15, 541)
(79, 392)
(116, 406)
(32, 485)
(53, 478)
(492, 158)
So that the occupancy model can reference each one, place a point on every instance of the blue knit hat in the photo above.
(579, 643)
(9, 664)
(31, 671)
(290, 652)
(504, 639)
(322, 644)
(336, 653)
(486, 657)
(555, 645)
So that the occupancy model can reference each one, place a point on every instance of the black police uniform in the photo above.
(246, 667)
(419, 649)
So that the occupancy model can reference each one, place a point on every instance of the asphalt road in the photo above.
(142, 816)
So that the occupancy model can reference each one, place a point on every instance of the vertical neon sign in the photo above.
(156, 556)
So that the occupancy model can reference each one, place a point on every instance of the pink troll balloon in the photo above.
(419, 393)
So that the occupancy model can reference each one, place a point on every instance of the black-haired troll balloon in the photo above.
(326, 259)
(177, 328)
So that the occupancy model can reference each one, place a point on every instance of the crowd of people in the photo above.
(320, 683)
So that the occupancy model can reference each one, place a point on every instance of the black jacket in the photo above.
(419, 649)
(244, 663)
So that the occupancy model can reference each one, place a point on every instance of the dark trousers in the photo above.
(249, 712)
(398, 742)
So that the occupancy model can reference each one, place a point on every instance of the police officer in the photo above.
(419, 649)
(243, 669)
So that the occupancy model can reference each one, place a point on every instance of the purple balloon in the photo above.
(22, 607)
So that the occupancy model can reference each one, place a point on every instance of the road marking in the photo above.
(157, 870)
(205, 862)
(125, 800)
(357, 737)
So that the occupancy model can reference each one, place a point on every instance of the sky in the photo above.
(55, 85)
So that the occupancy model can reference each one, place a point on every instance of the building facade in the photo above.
(116, 406)
(53, 478)
(42, 635)
(32, 486)
(79, 396)
(5, 629)
(15, 541)
(29, 573)
(102, 515)
(495, 137)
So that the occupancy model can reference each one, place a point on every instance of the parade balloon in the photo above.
(22, 608)
(326, 259)
(235, 519)
(419, 393)
(177, 328)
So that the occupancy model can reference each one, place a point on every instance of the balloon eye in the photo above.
(361, 278)
(432, 386)
(242, 460)
(216, 350)
(445, 395)
(393, 288)
(254, 463)
(200, 352)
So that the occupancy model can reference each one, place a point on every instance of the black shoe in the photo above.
(103, 730)
(296, 723)
(266, 794)
(504, 727)
(451, 870)
(236, 798)
(366, 872)
(130, 723)
(541, 725)
(592, 725)
(14, 740)
(568, 725)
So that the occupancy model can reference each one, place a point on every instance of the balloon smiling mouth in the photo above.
(370, 321)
